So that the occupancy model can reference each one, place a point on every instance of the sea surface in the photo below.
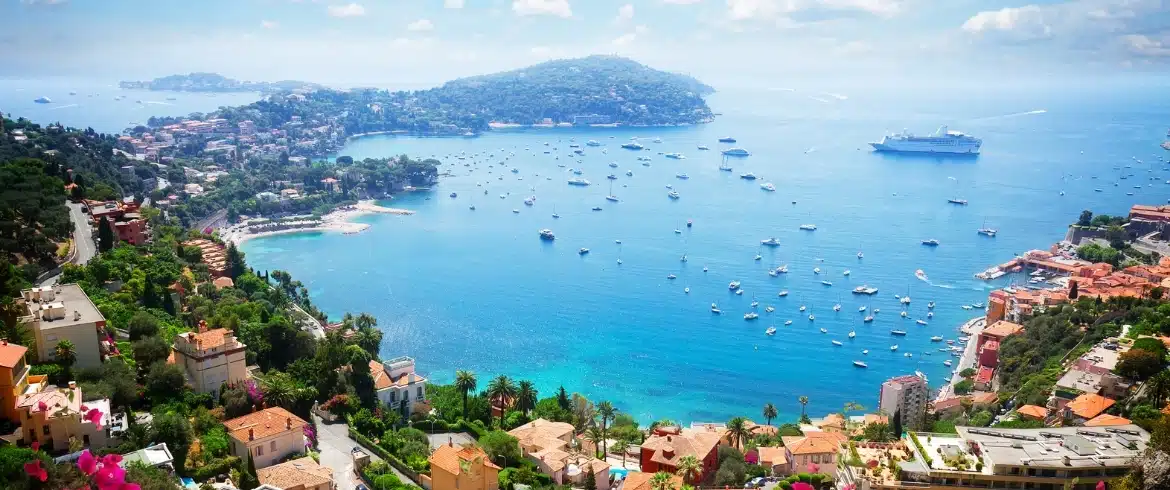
(93, 104)
(478, 290)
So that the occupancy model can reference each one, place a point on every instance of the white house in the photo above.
(398, 386)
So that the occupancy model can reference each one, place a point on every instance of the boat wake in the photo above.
(837, 96)
(66, 106)
(155, 102)
(818, 99)
(1017, 114)
(924, 278)
(781, 89)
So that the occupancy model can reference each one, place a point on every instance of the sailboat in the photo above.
(611, 197)
(985, 231)
(724, 166)
(555, 215)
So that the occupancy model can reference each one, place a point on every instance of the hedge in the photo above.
(476, 429)
(384, 454)
(925, 456)
(221, 466)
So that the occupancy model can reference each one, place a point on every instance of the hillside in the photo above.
(214, 82)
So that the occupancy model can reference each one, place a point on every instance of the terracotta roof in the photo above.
(1106, 419)
(223, 282)
(11, 354)
(948, 403)
(814, 442)
(833, 420)
(984, 398)
(637, 480)
(876, 418)
(985, 374)
(762, 429)
(1089, 405)
(1003, 329)
(1034, 411)
(773, 455)
(382, 379)
(668, 449)
(207, 340)
(543, 434)
(448, 457)
(265, 423)
(303, 472)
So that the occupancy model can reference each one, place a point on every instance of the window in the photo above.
(393, 396)
(420, 393)
(260, 450)
(272, 446)
(45, 429)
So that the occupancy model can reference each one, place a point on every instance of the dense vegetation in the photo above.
(214, 82)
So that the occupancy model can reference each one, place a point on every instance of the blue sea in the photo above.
(478, 290)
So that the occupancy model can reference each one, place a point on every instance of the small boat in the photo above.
(727, 139)
(936, 338)
(751, 315)
(704, 268)
(897, 332)
(908, 354)
(597, 208)
(771, 242)
(977, 305)
(768, 187)
(860, 255)
(894, 347)
(816, 270)
(739, 292)
(770, 331)
(43, 100)
(903, 314)
(769, 308)
(864, 289)
(454, 194)
(515, 211)
(611, 198)
(865, 352)
(471, 207)
(989, 232)
(611, 177)
(789, 322)
(930, 314)
(683, 258)
(846, 273)
(725, 167)
(852, 334)
(966, 307)
(755, 304)
(671, 276)
(592, 143)
(682, 176)
(547, 235)
(690, 223)
(676, 156)
(930, 243)
(582, 251)
(837, 307)
(808, 227)
(733, 285)
(860, 364)
(736, 152)
(782, 269)
(782, 293)
(633, 145)
(629, 173)
(578, 182)
(802, 308)
(868, 319)
(687, 290)
(748, 176)
(701, 147)
(930, 305)
(673, 195)
(861, 309)
(961, 202)
(827, 283)
(947, 363)
(837, 343)
(920, 322)
(715, 309)
(811, 317)
(759, 257)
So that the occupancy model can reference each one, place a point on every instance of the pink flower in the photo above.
(131, 486)
(814, 468)
(36, 445)
(110, 477)
(35, 470)
(111, 459)
(42, 406)
(94, 416)
(801, 486)
(87, 463)
(84, 409)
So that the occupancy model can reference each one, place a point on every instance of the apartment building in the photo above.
(905, 397)
(64, 312)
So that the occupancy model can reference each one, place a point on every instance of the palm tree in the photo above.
(1159, 387)
(738, 431)
(526, 396)
(66, 353)
(689, 468)
(607, 412)
(660, 423)
(502, 389)
(769, 413)
(851, 407)
(596, 436)
(661, 481)
(465, 382)
(621, 446)
(803, 403)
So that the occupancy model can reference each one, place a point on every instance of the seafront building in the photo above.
(550, 446)
(1039, 459)
(64, 312)
(399, 387)
(905, 397)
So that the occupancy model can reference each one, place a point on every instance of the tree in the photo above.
(174, 430)
(66, 355)
(689, 468)
(738, 431)
(465, 382)
(501, 447)
(282, 390)
(769, 413)
(105, 235)
(803, 404)
(662, 481)
(590, 479)
(1139, 364)
(1159, 388)
(877, 432)
(142, 324)
(149, 294)
(235, 261)
(149, 477)
(1086, 218)
(149, 351)
(606, 411)
(621, 446)
(597, 437)
(525, 396)
(1073, 291)
(501, 390)
(563, 398)
(851, 407)
(165, 381)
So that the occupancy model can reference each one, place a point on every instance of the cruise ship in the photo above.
(942, 141)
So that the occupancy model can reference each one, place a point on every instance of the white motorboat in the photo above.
(837, 343)
(751, 315)
(755, 304)
(861, 309)
(782, 293)
(758, 257)
(789, 322)
(860, 364)
(868, 319)
(715, 309)
(770, 331)
(824, 331)
(894, 347)
(687, 290)
(582, 251)
(808, 227)
(802, 308)
(846, 273)
(816, 270)
(920, 322)
(673, 195)
(769, 308)
(947, 363)
(837, 307)
(771, 242)
(936, 338)
(811, 317)
(852, 334)
(739, 292)
(671, 276)
(768, 187)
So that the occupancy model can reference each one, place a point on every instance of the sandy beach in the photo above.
(339, 220)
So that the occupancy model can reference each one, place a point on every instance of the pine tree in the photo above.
(590, 480)
(562, 398)
(235, 259)
(105, 235)
(149, 295)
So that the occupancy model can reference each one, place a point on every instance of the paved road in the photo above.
(82, 239)
(334, 443)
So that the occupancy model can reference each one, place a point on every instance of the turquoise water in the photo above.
(462, 289)
(94, 106)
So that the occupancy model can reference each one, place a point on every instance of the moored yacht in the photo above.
(771, 242)
(633, 145)
(673, 195)
(547, 235)
(930, 243)
(768, 187)
(727, 139)
(736, 152)
(748, 176)
(808, 227)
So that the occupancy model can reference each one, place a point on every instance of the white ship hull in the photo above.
(942, 141)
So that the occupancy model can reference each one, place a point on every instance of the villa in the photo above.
(666, 445)
(298, 474)
(52, 417)
(549, 445)
(395, 382)
(461, 468)
(814, 452)
(268, 436)
(14, 378)
(210, 358)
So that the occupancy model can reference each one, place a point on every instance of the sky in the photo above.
(417, 43)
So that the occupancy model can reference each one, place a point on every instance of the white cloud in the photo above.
(348, 10)
(269, 24)
(1145, 46)
(681, 2)
(625, 13)
(43, 2)
(1122, 27)
(453, 4)
(629, 37)
(773, 9)
(420, 25)
(1025, 22)
(559, 8)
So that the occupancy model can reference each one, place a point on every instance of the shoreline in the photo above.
(338, 220)
(972, 328)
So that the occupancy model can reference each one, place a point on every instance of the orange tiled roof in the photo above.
(669, 448)
(1106, 420)
(1033, 411)
(948, 403)
(56, 400)
(383, 380)
(223, 282)
(984, 398)
(543, 433)
(1003, 329)
(448, 457)
(265, 423)
(637, 480)
(304, 471)
(11, 354)
(207, 340)
(814, 442)
(1089, 405)
(773, 455)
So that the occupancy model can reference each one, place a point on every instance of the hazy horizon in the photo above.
(725, 43)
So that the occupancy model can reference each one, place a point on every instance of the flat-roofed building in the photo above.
(211, 358)
(64, 312)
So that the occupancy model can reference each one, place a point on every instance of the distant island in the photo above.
(214, 82)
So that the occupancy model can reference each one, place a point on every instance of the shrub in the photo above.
(918, 445)
(215, 467)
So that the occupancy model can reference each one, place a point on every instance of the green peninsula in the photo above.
(214, 82)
